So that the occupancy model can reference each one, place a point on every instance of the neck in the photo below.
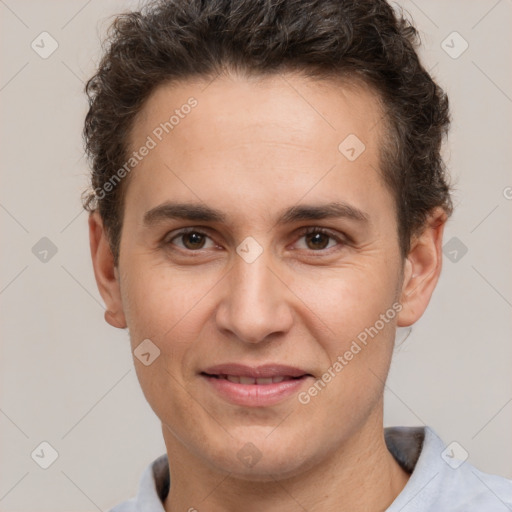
(360, 475)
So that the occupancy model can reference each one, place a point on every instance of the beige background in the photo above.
(67, 377)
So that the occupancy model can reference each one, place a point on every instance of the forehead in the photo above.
(304, 106)
(274, 135)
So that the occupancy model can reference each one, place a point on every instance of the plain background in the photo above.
(68, 378)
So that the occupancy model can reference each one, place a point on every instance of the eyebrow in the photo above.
(203, 213)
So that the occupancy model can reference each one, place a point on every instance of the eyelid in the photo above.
(169, 237)
(341, 239)
(317, 229)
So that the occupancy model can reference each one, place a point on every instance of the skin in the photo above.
(252, 148)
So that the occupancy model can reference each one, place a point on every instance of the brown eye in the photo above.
(317, 240)
(191, 240)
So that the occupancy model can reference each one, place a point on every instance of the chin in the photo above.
(263, 459)
(268, 470)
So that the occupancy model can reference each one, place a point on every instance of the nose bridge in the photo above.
(255, 304)
(251, 282)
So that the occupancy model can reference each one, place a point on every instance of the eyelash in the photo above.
(302, 233)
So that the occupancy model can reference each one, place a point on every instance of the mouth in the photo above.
(261, 375)
(255, 386)
(260, 381)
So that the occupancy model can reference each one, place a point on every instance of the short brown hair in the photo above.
(179, 39)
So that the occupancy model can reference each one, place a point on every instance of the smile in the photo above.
(239, 379)
(260, 386)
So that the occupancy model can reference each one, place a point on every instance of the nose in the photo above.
(256, 305)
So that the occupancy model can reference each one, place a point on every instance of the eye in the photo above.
(318, 239)
(191, 239)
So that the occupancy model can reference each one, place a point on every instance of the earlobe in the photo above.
(105, 272)
(114, 319)
(422, 269)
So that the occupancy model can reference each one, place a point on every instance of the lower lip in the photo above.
(255, 395)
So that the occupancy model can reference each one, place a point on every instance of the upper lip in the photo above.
(266, 370)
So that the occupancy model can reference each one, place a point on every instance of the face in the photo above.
(262, 259)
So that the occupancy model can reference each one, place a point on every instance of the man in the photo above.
(268, 207)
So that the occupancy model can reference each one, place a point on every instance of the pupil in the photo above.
(194, 240)
(316, 238)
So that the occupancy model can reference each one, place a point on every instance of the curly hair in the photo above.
(365, 40)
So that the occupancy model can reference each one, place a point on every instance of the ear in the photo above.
(422, 268)
(106, 274)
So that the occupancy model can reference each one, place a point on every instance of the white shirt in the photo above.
(441, 480)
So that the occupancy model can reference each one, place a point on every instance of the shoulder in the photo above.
(153, 488)
(442, 478)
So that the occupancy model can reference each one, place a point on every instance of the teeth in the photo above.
(251, 380)
(265, 380)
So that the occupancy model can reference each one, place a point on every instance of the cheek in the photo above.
(163, 305)
(347, 300)
(357, 341)
(159, 302)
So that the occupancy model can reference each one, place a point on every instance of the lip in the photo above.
(289, 380)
